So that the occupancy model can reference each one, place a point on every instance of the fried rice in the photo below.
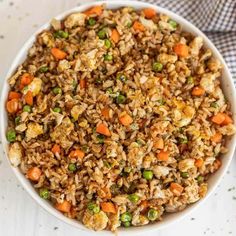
(117, 117)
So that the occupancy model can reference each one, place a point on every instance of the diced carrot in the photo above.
(102, 129)
(181, 49)
(198, 91)
(115, 36)
(58, 54)
(29, 98)
(56, 148)
(217, 164)
(199, 162)
(138, 26)
(34, 173)
(108, 207)
(216, 138)
(65, 206)
(163, 156)
(77, 154)
(82, 83)
(73, 213)
(149, 13)
(218, 118)
(96, 10)
(176, 188)
(227, 120)
(106, 112)
(126, 119)
(159, 143)
(12, 106)
(144, 204)
(13, 95)
(26, 79)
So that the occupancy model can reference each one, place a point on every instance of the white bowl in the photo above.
(227, 85)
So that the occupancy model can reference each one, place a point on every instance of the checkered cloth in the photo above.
(217, 18)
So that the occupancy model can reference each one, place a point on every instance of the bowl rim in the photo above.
(3, 123)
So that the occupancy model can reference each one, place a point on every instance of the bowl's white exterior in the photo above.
(227, 84)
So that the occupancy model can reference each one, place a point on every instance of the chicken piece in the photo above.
(75, 19)
(33, 131)
(15, 154)
(186, 164)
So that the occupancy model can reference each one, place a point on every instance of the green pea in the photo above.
(102, 34)
(121, 77)
(214, 104)
(57, 109)
(93, 207)
(152, 214)
(11, 136)
(200, 179)
(173, 23)
(43, 69)
(184, 175)
(17, 120)
(147, 174)
(100, 138)
(72, 167)
(126, 217)
(190, 80)
(108, 57)
(161, 101)
(107, 43)
(27, 108)
(134, 198)
(57, 90)
(120, 99)
(183, 140)
(157, 67)
(126, 224)
(109, 90)
(91, 21)
(61, 34)
(44, 193)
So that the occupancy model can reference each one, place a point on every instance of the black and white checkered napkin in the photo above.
(217, 18)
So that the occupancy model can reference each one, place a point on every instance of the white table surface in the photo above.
(19, 214)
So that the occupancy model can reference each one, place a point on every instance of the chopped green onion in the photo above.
(57, 90)
(126, 217)
(108, 57)
(147, 174)
(183, 140)
(152, 214)
(57, 109)
(200, 179)
(161, 101)
(121, 77)
(120, 99)
(43, 69)
(100, 138)
(91, 21)
(11, 136)
(85, 148)
(109, 90)
(72, 167)
(214, 104)
(44, 193)
(106, 164)
(102, 34)
(134, 198)
(190, 80)
(184, 175)
(107, 43)
(17, 120)
(26, 108)
(127, 169)
(98, 81)
(129, 24)
(173, 23)
(157, 67)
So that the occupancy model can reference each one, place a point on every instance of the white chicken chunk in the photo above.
(207, 82)
(35, 87)
(196, 45)
(75, 19)
(186, 164)
(15, 154)
(33, 130)
(149, 24)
